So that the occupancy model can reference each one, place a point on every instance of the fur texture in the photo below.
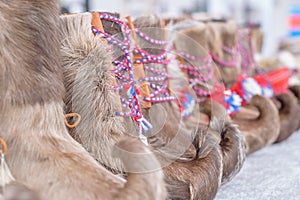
(267, 125)
(288, 113)
(88, 81)
(233, 147)
(198, 179)
(232, 142)
(87, 78)
(190, 174)
(228, 34)
(28, 64)
(286, 103)
(295, 89)
(227, 31)
(41, 153)
(17, 191)
(186, 177)
(167, 113)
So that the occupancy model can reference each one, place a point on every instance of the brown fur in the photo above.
(17, 191)
(195, 32)
(214, 110)
(244, 35)
(41, 153)
(233, 147)
(73, 61)
(263, 130)
(295, 89)
(214, 162)
(288, 114)
(232, 141)
(270, 64)
(192, 38)
(257, 39)
(151, 26)
(187, 174)
(114, 29)
(111, 27)
(88, 80)
(198, 179)
(167, 125)
(228, 33)
(174, 20)
(206, 167)
(187, 177)
(288, 111)
(24, 53)
(225, 33)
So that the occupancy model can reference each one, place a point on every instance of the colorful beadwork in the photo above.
(162, 76)
(124, 72)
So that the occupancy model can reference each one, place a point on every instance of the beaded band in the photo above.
(124, 72)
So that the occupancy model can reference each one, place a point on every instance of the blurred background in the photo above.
(279, 19)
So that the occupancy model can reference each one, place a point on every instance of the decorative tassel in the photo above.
(141, 135)
(233, 102)
(246, 87)
(250, 88)
(267, 91)
(187, 103)
(145, 124)
(5, 174)
(131, 91)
